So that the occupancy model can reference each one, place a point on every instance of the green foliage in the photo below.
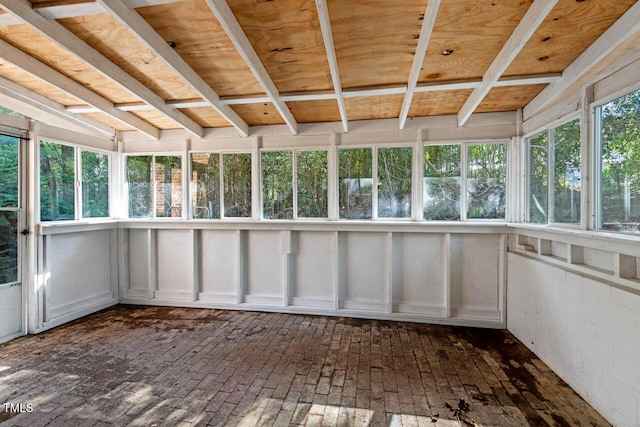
(355, 180)
(8, 246)
(486, 178)
(277, 184)
(95, 184)
(394, 182)
(313, 184)
(168, 184)
(10, 171)
(205, 176)
(538, 177)
(441, 198)
(10, 112)
(237, 185)
(57, 181)
(620, 163)
(139, 182)
(566, 173)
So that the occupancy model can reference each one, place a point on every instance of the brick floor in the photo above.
(162, 366)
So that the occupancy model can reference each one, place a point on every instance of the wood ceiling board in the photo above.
(206, 117)
(47, 52)
(508, 98)
(204, 45)
(259, 114)
(315, 111)
(475, 31)
(109, 121)
(375, 40)
(106, 35)
(374, 107)
(157, 119)
(17, 75)
(287, 38)
(438, 103)
(568, 30)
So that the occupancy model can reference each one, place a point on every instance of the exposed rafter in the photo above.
(60, 81)
(327, 35)
(69, 41)
(40, 102)
(74, 9)
(232, 27)
(624, 28)
(536, 14)
(418, 58)
(139, 27)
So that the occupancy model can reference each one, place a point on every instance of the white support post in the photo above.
(152, 263)
(195, 263)
(446, 268)
(333, 184)
(240, 277)
(418, 180)
(256, 179)
(588, 154)
(389, 268)
(286, 267)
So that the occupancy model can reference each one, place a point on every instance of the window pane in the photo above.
(139, 181)
(57, 181)
(9, 168)
(538, 177)
(277, 184)
(312, 175)
(8, 247)
(566, 173)
(237, 185)
(486, 178)
(205, 184)
(620, 164)
(95, 184)
(356, 182)
(394, 182)
(168, 178)
(441, 191)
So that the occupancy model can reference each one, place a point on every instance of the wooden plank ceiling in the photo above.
(153, 65)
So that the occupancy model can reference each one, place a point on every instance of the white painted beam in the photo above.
(47, 74)
(55, 10)
(232, 27)
(527, 26)
(624, 28)
(418, 58)
(327, 35)
(73, 44)
(349, 93)
(144, 32)
(22, 94)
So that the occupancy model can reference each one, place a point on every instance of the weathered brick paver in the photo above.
(162, 366)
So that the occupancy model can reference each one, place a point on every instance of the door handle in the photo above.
(25, 232)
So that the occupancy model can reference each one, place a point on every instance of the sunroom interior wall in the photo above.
(574, 295)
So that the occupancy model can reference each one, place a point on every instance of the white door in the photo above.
(12, 305)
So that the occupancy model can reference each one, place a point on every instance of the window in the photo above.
(486, 181)
(310, 169)
(554, 175)
(394, 182)
(441, 182)
(9, 208)
(61, 167)
(619, 164)
(220, 185)
(155, 186)
(356, 183)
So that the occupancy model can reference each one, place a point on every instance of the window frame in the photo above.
(221, 154)
(77, 181)
(294, 179)
(125, 184)
(548, 129)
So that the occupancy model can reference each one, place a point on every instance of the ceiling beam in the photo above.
(144, 32)
(74, 9)
(527, 26)
(428, 23)
(533, 79)
(327, 36)
(33, 99)
(47, 74)
(624, 28)
(72, 43)
(232, 27)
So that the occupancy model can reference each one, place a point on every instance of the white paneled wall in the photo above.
(420, 273)
(580, 315)
(79, 273)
